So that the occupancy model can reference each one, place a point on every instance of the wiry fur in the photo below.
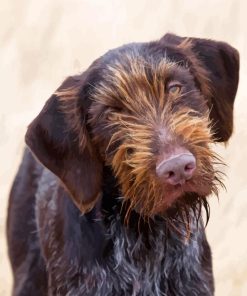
(89, 214)
(139, 127)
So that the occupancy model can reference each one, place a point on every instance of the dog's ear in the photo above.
(216, 65)
(58, 137)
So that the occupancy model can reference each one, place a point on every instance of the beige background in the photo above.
(44, 41)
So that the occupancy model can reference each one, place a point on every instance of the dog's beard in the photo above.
(151, 197)
(179, 208)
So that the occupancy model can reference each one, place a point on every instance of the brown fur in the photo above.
(103, 135)
(136, 174)
(140, 120)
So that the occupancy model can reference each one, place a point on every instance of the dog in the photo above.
(109, 196)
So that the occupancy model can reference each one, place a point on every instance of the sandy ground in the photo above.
(44, 41)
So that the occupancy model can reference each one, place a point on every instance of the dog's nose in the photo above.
(177, 169)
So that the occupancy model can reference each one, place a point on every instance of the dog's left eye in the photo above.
(174, 88)
(130, 151)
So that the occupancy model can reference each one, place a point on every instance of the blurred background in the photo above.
(42, 42)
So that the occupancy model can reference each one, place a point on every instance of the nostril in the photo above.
(189, 167)
(189, 170)
(169, 175)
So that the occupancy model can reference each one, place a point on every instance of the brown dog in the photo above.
(129, 142)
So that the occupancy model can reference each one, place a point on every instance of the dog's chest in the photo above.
(136, 263)
(129, 263)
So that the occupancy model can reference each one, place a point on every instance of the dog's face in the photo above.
(151, 113)
(146, 113)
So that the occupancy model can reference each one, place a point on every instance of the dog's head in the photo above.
(150, 111)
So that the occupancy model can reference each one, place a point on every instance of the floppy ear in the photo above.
(216, 64)
(59, 139)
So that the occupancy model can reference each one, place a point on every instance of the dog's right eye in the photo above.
(174, 88)
(118, 109)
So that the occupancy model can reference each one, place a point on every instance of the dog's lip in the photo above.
(183, 185)
(176, 191)
(189, 186)
(186, 185)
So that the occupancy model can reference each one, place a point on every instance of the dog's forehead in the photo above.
(149, 51)
(144, 56)
(139, 70)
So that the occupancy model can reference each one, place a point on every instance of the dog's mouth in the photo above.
(173, 193)
(180, 192)
(182, 174)
(170, 195)
(195, 185)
